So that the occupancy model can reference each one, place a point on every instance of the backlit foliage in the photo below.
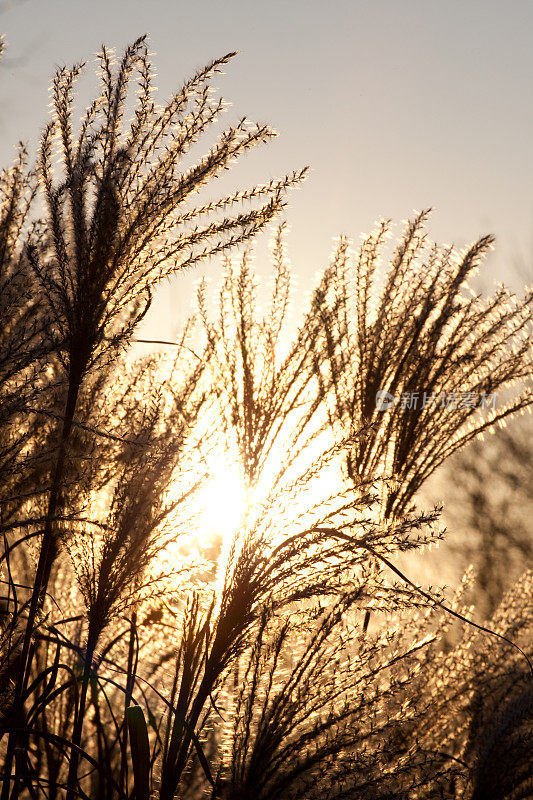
(142, 656)
(420, 332)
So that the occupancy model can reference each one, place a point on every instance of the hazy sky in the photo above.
(395, 104)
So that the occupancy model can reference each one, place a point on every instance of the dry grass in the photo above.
(127, 670)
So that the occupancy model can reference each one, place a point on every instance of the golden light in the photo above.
(222, 501)
(224, 510)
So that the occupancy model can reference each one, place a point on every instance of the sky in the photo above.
(395, 106)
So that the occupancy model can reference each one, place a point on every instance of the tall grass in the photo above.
(425, 338)
(140, 657)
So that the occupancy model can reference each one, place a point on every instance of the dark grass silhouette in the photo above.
(131, 664)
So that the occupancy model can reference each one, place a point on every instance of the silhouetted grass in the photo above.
(293, 660)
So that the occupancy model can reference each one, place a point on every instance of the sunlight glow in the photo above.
(223, 500)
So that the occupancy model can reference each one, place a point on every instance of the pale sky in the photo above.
(395, 106)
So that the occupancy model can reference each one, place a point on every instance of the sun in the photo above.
(226, 511)
(210, 514)
(223, 500)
